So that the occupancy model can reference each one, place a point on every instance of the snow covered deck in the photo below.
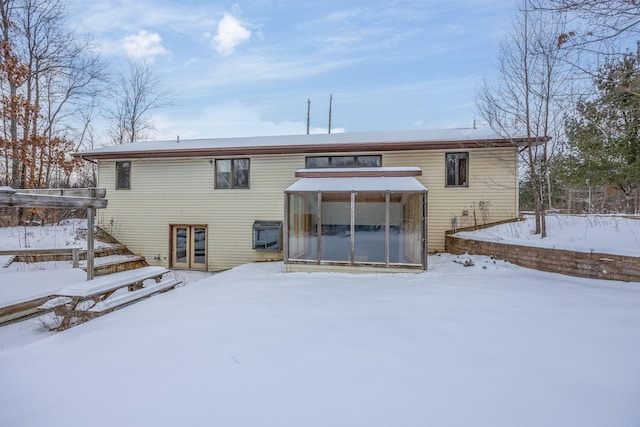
(26, 294)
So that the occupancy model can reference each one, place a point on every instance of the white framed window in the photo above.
(232, 173)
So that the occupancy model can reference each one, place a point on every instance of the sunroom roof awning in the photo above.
(380, 183)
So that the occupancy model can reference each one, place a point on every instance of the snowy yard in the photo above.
(487, 345)
(587, 233)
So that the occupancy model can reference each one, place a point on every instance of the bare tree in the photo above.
(86, 138)
(528, 97)
(137, 94)
(62, 75)
(14, 73)
(599, 26)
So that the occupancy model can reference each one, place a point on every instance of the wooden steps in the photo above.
(6, 260)
(115, 264)
(61, 254)
(106, 260)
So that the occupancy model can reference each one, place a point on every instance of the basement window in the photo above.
(267, 235)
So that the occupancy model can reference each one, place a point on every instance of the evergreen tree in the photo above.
(604, 135)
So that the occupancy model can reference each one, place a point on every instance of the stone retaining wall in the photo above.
(581, 264)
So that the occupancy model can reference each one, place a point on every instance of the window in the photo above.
(267, 235)
(335, 230)
(457, 169)
(342, 161)
(369, 161)
(369, 232)
(123, 175)
(303, 226)
(316, 162)
(232, 173)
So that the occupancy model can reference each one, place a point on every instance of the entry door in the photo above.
(189, 246)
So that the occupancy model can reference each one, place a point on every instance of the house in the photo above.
(371, 201)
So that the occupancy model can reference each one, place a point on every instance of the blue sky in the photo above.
(248, 68)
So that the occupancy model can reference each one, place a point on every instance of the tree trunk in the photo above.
(543, 219)
(537, 212)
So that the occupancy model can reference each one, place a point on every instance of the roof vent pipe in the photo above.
(178, 139)
(308, 113)
(330, 102)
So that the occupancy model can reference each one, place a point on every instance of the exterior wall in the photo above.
(181, 191)
(490, 197)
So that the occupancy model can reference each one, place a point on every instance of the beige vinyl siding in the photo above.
(181, 191)
(491, 194)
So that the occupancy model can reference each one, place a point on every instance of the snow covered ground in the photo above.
(586, 233)
(69, 234)
(488, 345)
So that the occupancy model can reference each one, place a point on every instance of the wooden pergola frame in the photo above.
(80, 198)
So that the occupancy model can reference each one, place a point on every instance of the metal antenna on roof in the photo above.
(308, 114)
(330, 102)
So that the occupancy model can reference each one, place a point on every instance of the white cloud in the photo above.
(226, 120)
(256, 69)
(144, 45)
(229, 35)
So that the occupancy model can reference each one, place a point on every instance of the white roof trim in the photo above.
(338, 185)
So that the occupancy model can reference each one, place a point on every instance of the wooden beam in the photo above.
(23, 200)
(90, 226)
(10, 312)
(36, 252)
(11, 198)
(95, 193)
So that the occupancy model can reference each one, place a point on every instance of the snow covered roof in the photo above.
(314, 143)
(381, 183)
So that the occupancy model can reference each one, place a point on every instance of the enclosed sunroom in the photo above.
(364, 219)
